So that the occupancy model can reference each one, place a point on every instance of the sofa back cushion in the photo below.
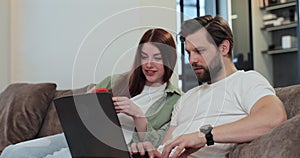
(51, 124)
(22, 110)
(282, 141)
(290, 96)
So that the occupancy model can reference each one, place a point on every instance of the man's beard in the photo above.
(210, 72)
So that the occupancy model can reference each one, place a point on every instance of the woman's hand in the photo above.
(144, 149)
(126, 106)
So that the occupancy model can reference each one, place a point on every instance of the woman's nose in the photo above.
(149, 62)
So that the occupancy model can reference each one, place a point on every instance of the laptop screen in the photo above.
(91, 125)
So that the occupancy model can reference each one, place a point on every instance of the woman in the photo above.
(143, 98)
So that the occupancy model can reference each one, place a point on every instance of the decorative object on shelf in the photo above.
(281, 15)
(283, 1)
(274, 3)
(288, 41)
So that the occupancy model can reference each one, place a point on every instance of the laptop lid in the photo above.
(91, 126)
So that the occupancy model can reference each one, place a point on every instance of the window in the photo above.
(189, 9)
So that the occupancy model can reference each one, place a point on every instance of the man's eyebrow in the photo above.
(196, 49)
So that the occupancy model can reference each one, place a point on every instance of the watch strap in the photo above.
(206, 129)
(209, 138)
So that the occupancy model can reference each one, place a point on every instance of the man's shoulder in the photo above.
(192, 91)
(252, 75)
(251, 79)
(248, 75)
(240, 73)
(252, 72)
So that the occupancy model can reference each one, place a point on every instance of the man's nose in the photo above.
(193, 58)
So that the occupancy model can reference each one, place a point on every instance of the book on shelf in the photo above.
(267, 3)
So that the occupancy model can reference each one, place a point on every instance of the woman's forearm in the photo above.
(141, 126)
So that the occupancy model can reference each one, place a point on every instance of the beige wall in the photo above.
(4, 43)
(76, 42)
(241, 27)
(262, 62)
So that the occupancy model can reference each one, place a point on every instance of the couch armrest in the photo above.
(282, 141)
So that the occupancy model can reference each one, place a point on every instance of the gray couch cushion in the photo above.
(51, 123)
(290, 96)
(282, 141)
(23, 107)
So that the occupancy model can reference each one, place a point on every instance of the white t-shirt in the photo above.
(144, 100)
(222, 102)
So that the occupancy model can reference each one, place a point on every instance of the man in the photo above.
(229, 107)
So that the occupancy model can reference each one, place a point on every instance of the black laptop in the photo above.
(91, 126)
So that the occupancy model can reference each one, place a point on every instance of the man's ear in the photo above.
(224, 47)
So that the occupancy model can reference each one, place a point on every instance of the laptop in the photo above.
(91, 126)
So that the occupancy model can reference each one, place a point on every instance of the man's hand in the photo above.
(184, 145)
(142, 147)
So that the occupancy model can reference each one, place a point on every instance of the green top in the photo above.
(158, 114)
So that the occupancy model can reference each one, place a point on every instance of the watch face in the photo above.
(205, 129)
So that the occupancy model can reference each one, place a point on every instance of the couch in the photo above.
(27, 111)
(284, 140)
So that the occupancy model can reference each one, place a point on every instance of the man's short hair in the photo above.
(217, 28)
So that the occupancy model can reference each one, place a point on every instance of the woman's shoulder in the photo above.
(173, 89)
(106, 82)
(117, 76)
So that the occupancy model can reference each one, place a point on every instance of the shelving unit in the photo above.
(280, 27)
(278, 51)
(280, 6)
(285, 59)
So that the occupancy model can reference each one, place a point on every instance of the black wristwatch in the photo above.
(206, 129)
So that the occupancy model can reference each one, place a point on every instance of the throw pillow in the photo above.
(23, 107)
(51, 124)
